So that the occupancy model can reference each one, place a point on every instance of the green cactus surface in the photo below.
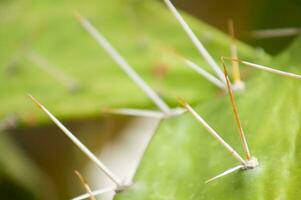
(270, 112)
(51, 30)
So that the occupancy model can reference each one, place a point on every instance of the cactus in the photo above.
(192, 156)
(182, 156)
(144, 43)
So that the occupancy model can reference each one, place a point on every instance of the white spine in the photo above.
(104, 43)
(268, 69)
(202, 50)
(205, 74)
(229, 171)
(80, 145)
(215, 134)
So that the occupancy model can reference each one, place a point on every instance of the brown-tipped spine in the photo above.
(35, 101)
(236, 115)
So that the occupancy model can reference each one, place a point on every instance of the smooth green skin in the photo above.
(270, 112)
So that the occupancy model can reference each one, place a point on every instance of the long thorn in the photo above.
(52, 70)
(146, 113)
(229, 171)
(236, 115)
(233, 48)
(78, 143)
(135, 112)
(213, 132)
(197, 68)
(200, 47)
(96, 192)
(205, 74)
(105, 44)
(265, 68)
(272, 33)
(86, 185)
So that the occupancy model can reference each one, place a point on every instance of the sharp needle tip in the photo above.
(77, 15)
(181, 101)
(229, 171)
(34, 100)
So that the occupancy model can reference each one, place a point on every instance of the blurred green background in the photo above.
(55, 159)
